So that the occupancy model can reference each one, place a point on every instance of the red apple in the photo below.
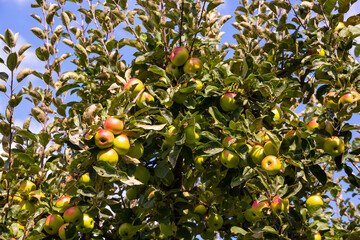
(259, 208)
(144, 100)
(122, 144)
(134, 85)
(313, 124)
(104, 139)
(108, 155)
(229, 159)
(63, 203)
(114, 125)
(67, 231)
(350, 97)
(52, 224)
(232, 143)
(334, 146)
(271, 164)
(179, 56)
(73, 215)
(278, 204)
(193, 65)
(228, 102)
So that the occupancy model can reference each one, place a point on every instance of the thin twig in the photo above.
(181, 19)
(164, 32)
(354, 164)
(198, 25)
(296, 15)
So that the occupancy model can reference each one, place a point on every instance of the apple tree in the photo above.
(153, 127)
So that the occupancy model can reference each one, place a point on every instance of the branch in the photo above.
(164, 32)
(296, 15)
(181, 19)
(354, 164)
(201, 16)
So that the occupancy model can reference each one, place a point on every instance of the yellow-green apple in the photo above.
(67, 231)
(201, 209)
(329, 101)
(250, 215)
(85, 179)
(136, 150)
(52, 224)
(316, 236)
(271, 164)
(108, 155)
(87, 224)
(229, 159)
(270, 149)
(179, 56)
(257, 154)
(215, 221)
(191, 136)
(63, 203)
(350, 97)
(278, 204)
(26, 187)
(232, 143)
(126, 230)
(171, 138)
(144, 100)
(198, 161)
(193, 65)
(313, 124)
(73, 215)
(228, 102)
(277, 113)
(314, 202)
(104, 139)
(259, 208)
(339, 26)
(121, 144)
(172, 69)
(142, 173)
(263, 136)
(132, 193)
(334, 146)
(134, 85)
(199, 84)
(114, 125)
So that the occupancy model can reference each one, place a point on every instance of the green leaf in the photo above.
(26, 157)
(104, 169)
(329, 6)
(270, 230)
(151, 127)
(238, 230)
(42, 53)
(344, 6)
(10, 39)
(65, 88)
(44, 138)
(24, 73)
(174, 154)
(65, 19)
(213, 148)
(38, 32)
(4, 76)
(24, 48)
(12, 61)
(319, 173)
(213, 4)
(27, 134)
(162, 169)
(38, 114)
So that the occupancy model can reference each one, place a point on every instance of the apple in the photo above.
(232, 143)
(171, 138)
(67, 231)
(263, 137)
(63, 203)
(26, 187)
(193, 65)
(136, 150)
(334, 146)
(179, 56)
(271, 164)
(339, 26)
(351, 97)
(278, 204)
(229, 159)
(330, 103)
(313, 124)
(135, 85)
(104, 139)
(132, 193)
(121, 144)
(259, 208)
(270, 149)
(85, 179)
(87, 224)
(52, 224)
(277, 113)
(173, 70)
(142, 174)
(257, 154)
(144, 100)
(108, 155)
(126, 230)
(215, 221)
(114, 125)
(228, 102)
(250, 215)
(314, 202)
(198, 161)
(199, 84)
(200, 209)
(191, 136)
(73, 215)
(316, 236)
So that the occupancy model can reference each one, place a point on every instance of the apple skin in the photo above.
(85, 179)
(314, 202)
(250, 215)
(73, 215)
(232, 143)
(193, 65)
(198, 161)
(52, 224)
(171, 139)
(87, 224)
(191, 136)
(257, 154)
(135, 85)
(108, 155)
(63, 203)
(179, 56)
(215, 221)
(142, 173)
(263, 136)
(114, 125)
(277, 113)
(68, 228)
(258, 208)
(172, 69)
(339, 26)
(278, 204)
(351, 97)
(145, 98)
(121, 144)
(228, 102)
(27, 205)
(125, 230)
(104, 139)
(334, 146)
(313, 124)
(271, 164)
(270, 149)
(316, 236)
(136, 150)
(26, 187)
(229, 159)
(200, 209)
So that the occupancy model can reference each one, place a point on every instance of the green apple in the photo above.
(171, 138)
(314, 202)
(67, 231)
(85, 179)
(142, 174)
(52, 224)
(259, 208)
(136, 150)
(126, 230)
(193, 65)
(271, 164)
(108, 155)
(15, 199)
(215, 221)
(257, 154)
(87, 224)
(104, 139)
(73, 215)
(135, 86)
(263, 136)
(132, 193)
(200, 209)
(191, 136)
(250, 215)
(228, 102)
(334, 146)
(173, 70)
(179, 56)
(28, 206)
(114, 125)
(26, 187)
(121, 144)
(144, 100)
(270, 149)
(229, 159)
(277, 113)
(63, 203)
(198, 161)
(232, 143)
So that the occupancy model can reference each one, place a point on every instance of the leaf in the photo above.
(38, 114)
(174, 154)
(151, 127)
(104, 169)
(38, 32)
(344, 6)
(24, 73)
(44, 138)
(65, 19)
(66, 88)
(238, 230)
(159, 71)
(161, 169)
(270, 230)
(329, 6)
(12, 61)
(10, 38)
(213, 148)
(4, 76)
(130, 160)
(24, 48)
(319, 173)
(2, 87)
(27, 134)
(42, 53)
(213, 4)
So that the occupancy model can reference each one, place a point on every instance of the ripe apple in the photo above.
(191, 136)
(201, 209)
(114, 125)
(339, 26)
(67, 231)
(63, 203)
(179, 56)
(257, 154)
(277, 113)
(322, 52)
(85, 179)
(314, 202)
(259, 208)
(198, 161)
(52, 224)
(172, 69)
(193, 65)
(350, 97)
(199, 84)
(215, 221)
(144, 100)
(87, 224)
(228, 102)
(135, 85)
(136, 150)
(316, 236)
(26, 187)
(271, 164)
(121, 144)
(73, 215)
(334, 146)
(250, 215)
(270, 149)
(104, 139)
(232, 143)
(108, 155)
(263, 137)
(229, 159)
(142, 174)
(278, 204)
(313, 124)
(330, 103)
(126, 230)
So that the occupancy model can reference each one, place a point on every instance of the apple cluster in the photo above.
(135, 87)
(179, 57)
